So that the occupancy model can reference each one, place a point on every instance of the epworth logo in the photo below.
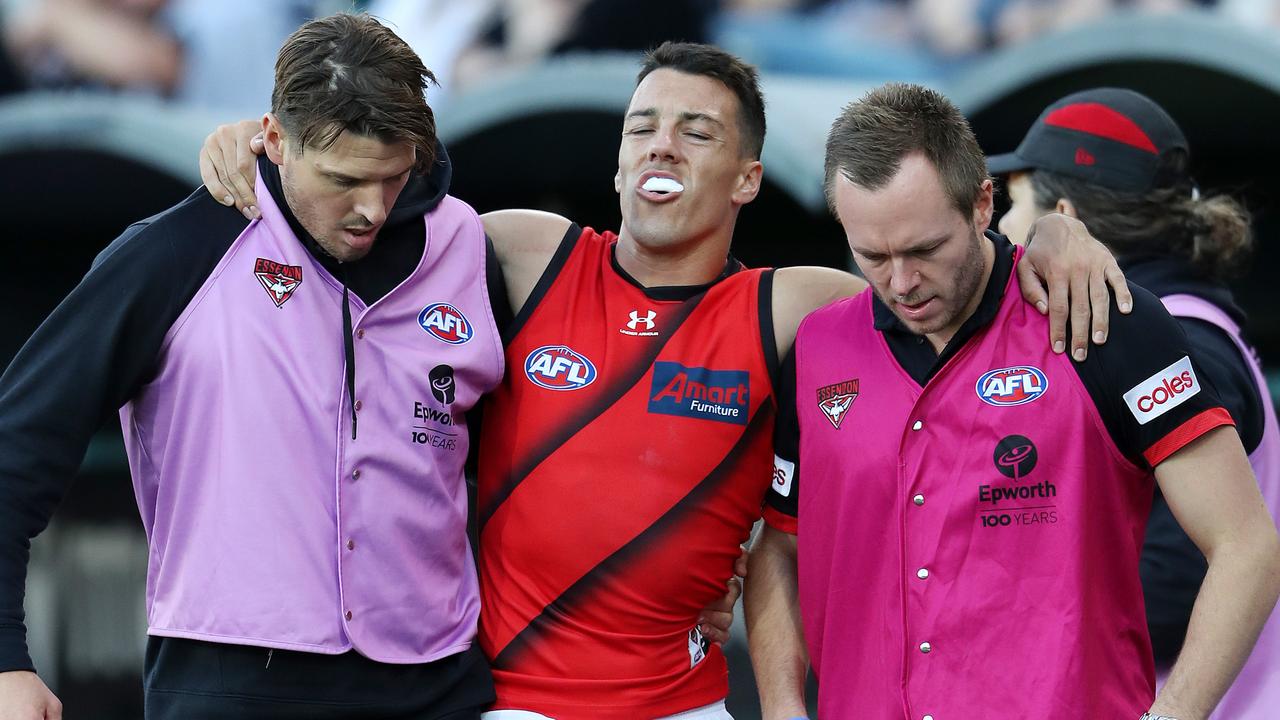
(1163, 391)
(1015, 456)
(557, 367)
(1016, 385)
(278, 279)
(445, 323)
(834, 400)
(723, 395)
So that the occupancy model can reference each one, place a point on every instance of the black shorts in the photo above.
(194, 680)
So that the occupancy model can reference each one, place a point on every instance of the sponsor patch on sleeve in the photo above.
(1163, 391)
(784, 471)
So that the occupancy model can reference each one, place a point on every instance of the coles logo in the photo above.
(556, 367)
(1163, 391)
(445, 323)
(1016, 385)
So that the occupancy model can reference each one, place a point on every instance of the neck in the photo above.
(691, 263)
(940, 339)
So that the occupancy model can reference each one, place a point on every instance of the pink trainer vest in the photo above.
(1256, 692)
(970, 549)
(268, 525)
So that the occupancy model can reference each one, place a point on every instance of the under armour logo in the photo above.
(648, 320)
(1084, 157)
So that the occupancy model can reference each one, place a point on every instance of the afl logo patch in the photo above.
(445, 323)
(1017, 385)
(556, 367)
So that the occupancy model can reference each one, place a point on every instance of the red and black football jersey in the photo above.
(622, 461)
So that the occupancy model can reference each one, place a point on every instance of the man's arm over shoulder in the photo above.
(524, 242)
(84, 361)
(798, 291)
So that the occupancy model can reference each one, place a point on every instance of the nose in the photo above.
(371, 204)
(903, 279)
(662, 145)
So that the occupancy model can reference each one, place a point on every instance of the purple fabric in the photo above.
(1256, 691)
(268, 525)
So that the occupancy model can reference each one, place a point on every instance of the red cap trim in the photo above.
(1185, 433)
(1102, 121)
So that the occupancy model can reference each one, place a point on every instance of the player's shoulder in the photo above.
(800, 291)
(520, 231)
(192, 233)
(1148, 322)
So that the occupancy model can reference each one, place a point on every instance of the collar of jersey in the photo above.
(671, 292)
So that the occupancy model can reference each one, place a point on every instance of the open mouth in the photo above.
(917, 310)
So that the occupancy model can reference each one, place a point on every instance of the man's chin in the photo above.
(921, 327)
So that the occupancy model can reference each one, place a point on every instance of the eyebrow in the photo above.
(336, 175)
(684, 116)
(918, 247)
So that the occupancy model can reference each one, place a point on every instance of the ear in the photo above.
(273, 139)
(749, 182)
(617, 181)
(1066, 207)
(984, 206)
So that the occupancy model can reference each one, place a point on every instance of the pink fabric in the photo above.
(1022, 578)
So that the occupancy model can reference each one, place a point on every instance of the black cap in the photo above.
(1112, 137)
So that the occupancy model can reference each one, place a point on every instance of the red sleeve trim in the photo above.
(780, 521)
(1182, 435)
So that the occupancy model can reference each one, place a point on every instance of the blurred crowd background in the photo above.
(219, 54)
(104, 104)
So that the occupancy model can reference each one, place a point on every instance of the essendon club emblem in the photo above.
(278, 280)
(834, 400)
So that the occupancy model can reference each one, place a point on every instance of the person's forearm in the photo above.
(1235, 600)
(774, 633)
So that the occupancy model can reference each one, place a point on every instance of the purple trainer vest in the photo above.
(1256, 692)
(968, 549)
(268, 525)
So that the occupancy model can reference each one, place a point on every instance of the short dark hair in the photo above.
(868, 141)
(710, 61)
(349, 72)
(1212, 233)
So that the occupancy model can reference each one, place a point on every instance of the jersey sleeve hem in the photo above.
(1185, 433)
(780, 521)
(13, 650)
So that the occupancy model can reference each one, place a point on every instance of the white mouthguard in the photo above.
(663, 185)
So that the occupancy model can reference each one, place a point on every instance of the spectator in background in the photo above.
(211, 54)
(524, 32)
(440, 31)
(1117, 161)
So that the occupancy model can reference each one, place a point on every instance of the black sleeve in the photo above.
(497, 287)
(84, 361)
(1214, 351)
(783, 499)
(1153, 396)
